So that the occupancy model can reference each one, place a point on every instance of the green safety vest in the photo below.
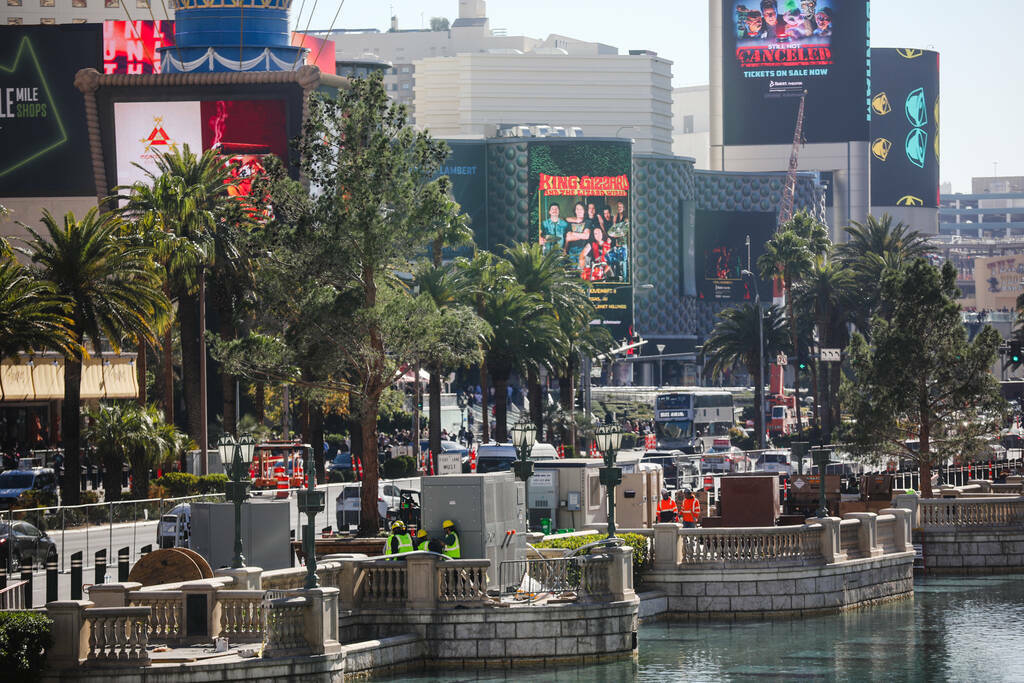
(404, 543)
(422, 544)
(451, 545)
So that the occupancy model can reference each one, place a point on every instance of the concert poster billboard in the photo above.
(466, 168)
(720, 253)
(131, 47)
(43, 135)
(775, 50)
(579, 205)
(905, 127)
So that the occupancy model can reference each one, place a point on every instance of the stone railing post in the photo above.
(347, 584)
(668, 546)
(70, 633)
(245, 578)
(321, 619)
(867, 536)
(620, 573)
(831, 543)
(200, 595)
(984, 484)
(422, 581)
(909, 501)
(112, 594)
(901, 528)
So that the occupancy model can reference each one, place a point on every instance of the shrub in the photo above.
(212, 483)
(24, 639)
(88, 497)
(179, 484)
(639, 544)
(340, 476)
(402, 466)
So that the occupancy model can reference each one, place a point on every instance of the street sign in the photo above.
(781, 359)
(449, 463)
(831, 355)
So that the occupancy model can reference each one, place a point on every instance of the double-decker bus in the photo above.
(690, 419)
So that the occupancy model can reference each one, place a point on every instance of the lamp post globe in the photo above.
(235, 456)
(523, 436)
(609, 438)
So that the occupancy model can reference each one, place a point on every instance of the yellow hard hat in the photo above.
(422, 533)
(398, 526)
(448, 524)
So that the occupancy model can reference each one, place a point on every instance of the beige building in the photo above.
(470, 95)
(82, 11)
(691, 124)
(997, 282)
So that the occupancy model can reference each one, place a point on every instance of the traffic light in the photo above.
(1015, 356)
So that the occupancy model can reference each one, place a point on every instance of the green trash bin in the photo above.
(545, 525)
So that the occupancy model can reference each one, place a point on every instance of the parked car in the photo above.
(175, 527)
(21, 541)
(450, 447)
(341, 461)
(776, 460)
(498, 457)
(15, 483)
(348, 505)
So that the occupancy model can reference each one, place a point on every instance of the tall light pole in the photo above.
(609, 438)
(760, 356)
(235, 456)
(661, 374)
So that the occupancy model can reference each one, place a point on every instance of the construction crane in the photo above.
(789, 190)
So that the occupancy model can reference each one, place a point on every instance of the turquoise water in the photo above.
(955, 629)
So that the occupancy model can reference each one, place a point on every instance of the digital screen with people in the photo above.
(776, 50)
(579, 206)
(722, 254)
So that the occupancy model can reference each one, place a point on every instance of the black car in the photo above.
(20, 541)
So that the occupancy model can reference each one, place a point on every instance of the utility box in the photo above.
(489, 511)
(265, 533)
(749, 501)
(543, 498)
(636, 498)
(804, 492)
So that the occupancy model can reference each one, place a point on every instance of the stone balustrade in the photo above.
(381, 583)
(462, 582)
(949, 513)
(284, 628)
(117, 636)
(167, 613)
(241, 615)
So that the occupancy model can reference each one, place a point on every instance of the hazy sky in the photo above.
(979, 62)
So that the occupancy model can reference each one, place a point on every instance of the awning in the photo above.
(48, 379)
(120, 379)
(16, 379)
(92, 379)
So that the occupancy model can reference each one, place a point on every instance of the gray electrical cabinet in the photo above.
(486, 509)
(543, 497)
(266, 541)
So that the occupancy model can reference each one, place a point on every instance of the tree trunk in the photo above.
(835, 377)
(72, 431)
(813, 366)
(168, 369)
(485, 418)
(535, 396)
(796, 352)
(925, 455)
(565, 400)
(500, 406)
(369, 519)
(140, 366)
(188, 315)
(316, 429)
(112, 470)
(140, 479)
(434, 410)
(227, 382)
(261, 404)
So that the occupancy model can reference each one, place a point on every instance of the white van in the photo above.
(498, 457)
(174, 528)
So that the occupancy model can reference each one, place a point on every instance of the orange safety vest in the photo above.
(667, 506)
(691, 509)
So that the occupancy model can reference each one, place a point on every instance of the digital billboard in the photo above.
(905, 127)
(579, 205)
(321, 52)
(43, 135)
(131, 47)
(720, 253)
(775, 50)
(466, 168)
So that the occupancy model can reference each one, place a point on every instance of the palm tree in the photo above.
(827, 293)
(31, 314)
(787, 256)
(113, 294)
(188, 193)
(735, 341)
(872, 248)
(133, 434)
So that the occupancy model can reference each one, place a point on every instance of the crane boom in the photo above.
(789, 190)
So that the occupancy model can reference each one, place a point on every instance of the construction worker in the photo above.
(451, 540)
(667, 512)
(690, 509)
(399, 541)
(422, 538)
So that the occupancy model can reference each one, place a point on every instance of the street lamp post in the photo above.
(760, 355)
(609, 438)
(661, 373)
(235, 456)
(463, 403)
(310, 502)
(821, 460)
(523, 435)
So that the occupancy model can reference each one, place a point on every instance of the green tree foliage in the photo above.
(920, 378)
(735, 340)
(24, 639)
(31, 314)
(439, 24)
(113, 294)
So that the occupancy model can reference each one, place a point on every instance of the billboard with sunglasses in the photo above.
(774, 50)
(905, 127)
